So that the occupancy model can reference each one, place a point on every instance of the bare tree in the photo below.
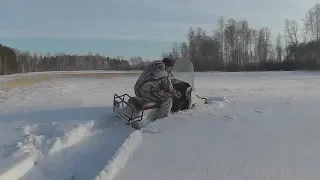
(219, 36)
(279, 49)
(312, 24)
(175, 51)
(184, 50)
(291, 28)
(136, 62)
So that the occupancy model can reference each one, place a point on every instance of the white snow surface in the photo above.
(257, 125)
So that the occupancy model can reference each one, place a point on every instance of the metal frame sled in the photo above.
(138, 112)
(133, 109)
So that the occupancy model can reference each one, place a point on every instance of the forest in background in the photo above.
(15, 61)
(233, 46)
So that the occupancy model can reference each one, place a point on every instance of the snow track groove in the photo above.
(122, 156)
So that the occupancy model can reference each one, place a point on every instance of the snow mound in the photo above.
(40, 141)
(216, 99)
(46, 139)
(43, 129)
(212, 103)
(71, 137)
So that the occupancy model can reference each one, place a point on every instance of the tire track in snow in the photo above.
(122, 156)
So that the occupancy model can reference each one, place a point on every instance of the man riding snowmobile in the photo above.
(154, 84)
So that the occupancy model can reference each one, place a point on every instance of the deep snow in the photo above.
(258, 125)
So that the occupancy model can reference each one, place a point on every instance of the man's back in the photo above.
(156, 71)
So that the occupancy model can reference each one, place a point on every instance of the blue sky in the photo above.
(129, 27)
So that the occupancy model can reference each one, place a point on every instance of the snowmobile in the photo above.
(138, 112)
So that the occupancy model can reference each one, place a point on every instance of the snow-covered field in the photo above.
(258, 125)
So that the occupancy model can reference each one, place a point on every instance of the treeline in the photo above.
(235, 46)
(15, 61)
(8, 63)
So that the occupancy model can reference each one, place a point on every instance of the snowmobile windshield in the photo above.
(183, 70)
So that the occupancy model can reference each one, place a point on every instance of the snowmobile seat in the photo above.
(143, 104)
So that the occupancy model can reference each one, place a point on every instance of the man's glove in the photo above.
(177, 94)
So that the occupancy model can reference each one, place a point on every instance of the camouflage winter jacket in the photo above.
(155, 79)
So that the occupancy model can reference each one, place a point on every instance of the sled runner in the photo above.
(137, 111)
